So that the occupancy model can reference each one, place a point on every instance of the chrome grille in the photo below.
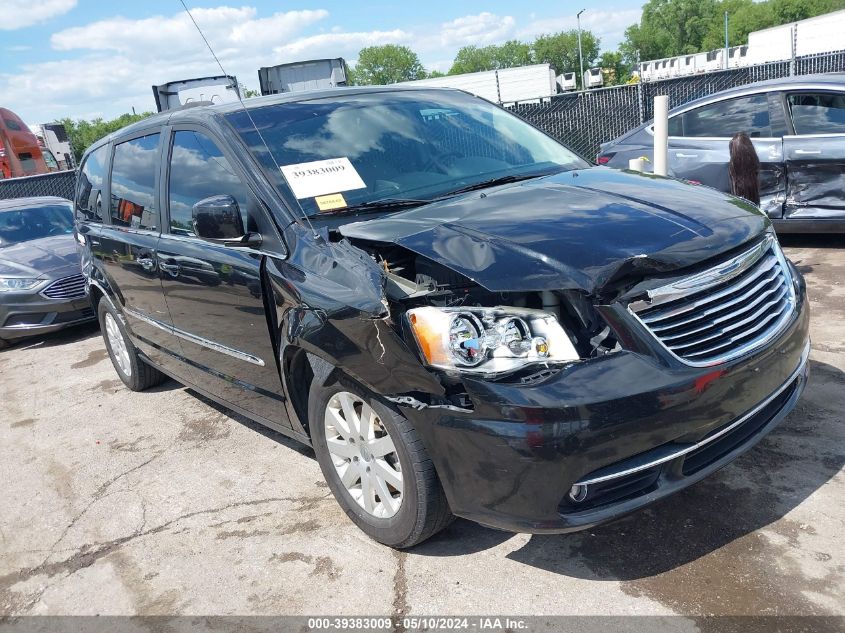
(72, 287)
(726, 311)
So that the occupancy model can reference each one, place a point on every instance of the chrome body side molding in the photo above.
(193, 338)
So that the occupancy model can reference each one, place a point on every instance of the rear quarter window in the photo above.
(88, 205)
(817, 113)
(133, 183)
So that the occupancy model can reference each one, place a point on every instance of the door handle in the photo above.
(171, 269)
(807, 152)
(679, 155)
(147, 263)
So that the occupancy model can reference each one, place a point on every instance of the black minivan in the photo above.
(460, 315)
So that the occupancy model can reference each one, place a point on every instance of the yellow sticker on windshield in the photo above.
(332, 201)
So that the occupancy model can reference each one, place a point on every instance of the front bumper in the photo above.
(632, 427)
(29, 314)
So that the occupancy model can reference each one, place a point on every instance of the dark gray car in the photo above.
(797, 125)
(41, 283)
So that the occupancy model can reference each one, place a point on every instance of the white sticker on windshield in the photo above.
(320, 177)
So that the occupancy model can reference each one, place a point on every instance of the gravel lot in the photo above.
(115, 502)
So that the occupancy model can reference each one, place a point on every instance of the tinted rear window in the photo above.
(89, 187)
(726, 118)
(818, 113)
(133, 179)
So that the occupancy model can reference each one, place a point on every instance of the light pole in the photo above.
(580, 55)
(727, 48)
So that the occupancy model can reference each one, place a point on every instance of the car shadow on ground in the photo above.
(267, 432)
(757, 490)
(76, 334)
(55, 339)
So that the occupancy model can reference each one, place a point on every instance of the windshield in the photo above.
(33, 223)
(347, 151)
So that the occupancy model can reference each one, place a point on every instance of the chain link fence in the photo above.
(57, 183)
(584, 120)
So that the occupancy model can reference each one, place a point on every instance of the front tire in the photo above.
(376, 466)
(130, 367)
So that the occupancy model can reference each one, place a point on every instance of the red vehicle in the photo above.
(20, 154)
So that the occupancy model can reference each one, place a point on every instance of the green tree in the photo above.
(670, 27)
(472, 59)
(745, 16)
(513, 53)
(434, 74)
(784, 11)
(82, 133)
(678, 27)
(614, 68)
(388, 64)
(560, 50)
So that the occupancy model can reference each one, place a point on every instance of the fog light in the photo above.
(578, 493)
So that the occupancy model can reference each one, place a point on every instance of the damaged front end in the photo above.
(458, 328)
(545, 390)
(521, 392)
(413, 330)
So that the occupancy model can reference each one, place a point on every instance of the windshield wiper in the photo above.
(378, 205)
(493, 182)
(404, 203)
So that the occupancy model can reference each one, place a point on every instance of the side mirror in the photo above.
(218, 219)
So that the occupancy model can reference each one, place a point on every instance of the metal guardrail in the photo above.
(583, 120)
(57, 183)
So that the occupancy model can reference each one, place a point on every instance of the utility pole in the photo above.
(726, 40)
(580, 55)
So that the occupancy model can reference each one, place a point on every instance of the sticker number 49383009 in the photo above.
(320, 177)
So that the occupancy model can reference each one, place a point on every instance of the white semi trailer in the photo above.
(821, 34)
(508, 85)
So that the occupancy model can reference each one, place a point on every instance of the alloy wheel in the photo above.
(118, 345)
(364, 455)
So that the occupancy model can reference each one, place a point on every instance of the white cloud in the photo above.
(108, 66)
(159, 36)
(337, 44)
(20, 13)
(607, 24)
(484, 28)
(116, 61)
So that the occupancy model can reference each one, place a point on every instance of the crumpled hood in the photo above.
(38, 257)
(574, 230)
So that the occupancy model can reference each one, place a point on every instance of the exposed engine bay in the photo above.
(413, 280)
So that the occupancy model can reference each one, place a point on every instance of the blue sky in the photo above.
(86, 58)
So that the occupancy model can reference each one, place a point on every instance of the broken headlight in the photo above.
(489, 340)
